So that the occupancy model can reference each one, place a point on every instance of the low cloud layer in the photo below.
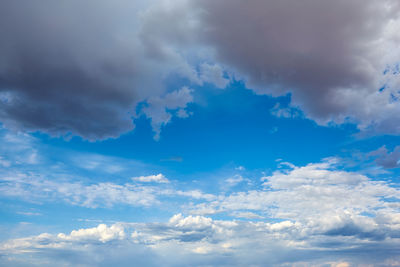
(196, 241)
(317, 214)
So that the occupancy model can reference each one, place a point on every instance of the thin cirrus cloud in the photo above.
(65, 190)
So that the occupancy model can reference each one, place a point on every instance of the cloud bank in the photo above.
(69, 68)
(315, 214)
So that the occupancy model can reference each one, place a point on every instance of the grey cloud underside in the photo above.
(383, 157)
(328, 54)
(69, 67)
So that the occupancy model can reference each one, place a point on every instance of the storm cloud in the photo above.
(329, 55)
(73, 68)
(76, 68)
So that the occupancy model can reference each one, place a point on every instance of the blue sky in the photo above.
(199, 133)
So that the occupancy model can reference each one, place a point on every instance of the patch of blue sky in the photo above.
(235, 126)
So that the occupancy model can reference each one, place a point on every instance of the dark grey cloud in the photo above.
(352, 229)
(68, 67)
(329, 55)
(385, 158)
(64, 68)
(72, 67)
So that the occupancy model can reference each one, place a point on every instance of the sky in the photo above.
(200, 133)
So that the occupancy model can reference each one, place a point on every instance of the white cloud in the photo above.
(161, 109)
(159, 178)
(318, 198)
(235, 180)
(37, 188)
(240, 168)
(287, 112)
(213, 74)
(4, 163)
(101, 233)
(145, 191)
(179, 241)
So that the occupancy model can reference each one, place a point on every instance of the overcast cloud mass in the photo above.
(72, 68)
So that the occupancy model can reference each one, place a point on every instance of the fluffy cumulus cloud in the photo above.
(159, 178)
(316, 194)
(198, 241)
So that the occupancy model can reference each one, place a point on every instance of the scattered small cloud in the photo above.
(385, 158)
(174, 159)
(285, 112)
(160, 110)
(158, 178)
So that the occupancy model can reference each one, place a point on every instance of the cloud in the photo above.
(385, 158)
(196, 241)
(101, 233)
(68, 70)
(235, 180)
(73, 69)
(287, 112)
(159, 178)
(41, 189)
(161, 109)
(329, 56)
(82, 71)
(213, 74)
(173, 159)
(320, 199)
(36, 188)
